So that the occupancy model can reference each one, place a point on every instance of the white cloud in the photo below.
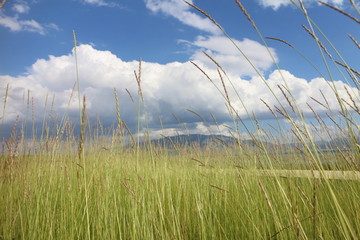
(32, 26)
(276, 4)
(168, 89)
(301, 89)
(21, 7)
(101, 3)
(335, 2)
(96, 2)
(15, 24)
(10, 22)
(216, 45)
(225, 53)
(182, 12)
(52, 26)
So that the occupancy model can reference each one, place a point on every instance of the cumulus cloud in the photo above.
(276, 4)
(17, 24)
(169, 89)
(215, 44)
(225, 53)
(182, 12)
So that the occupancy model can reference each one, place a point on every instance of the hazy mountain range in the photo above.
(201, 140)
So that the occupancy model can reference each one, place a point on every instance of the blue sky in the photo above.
(36, 54)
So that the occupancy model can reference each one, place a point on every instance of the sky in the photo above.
(37, 59)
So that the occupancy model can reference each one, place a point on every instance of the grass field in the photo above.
(112, 186)
(117, 196)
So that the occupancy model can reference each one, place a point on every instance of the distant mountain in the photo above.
(335, 145)
(201, 140)
(193, 139)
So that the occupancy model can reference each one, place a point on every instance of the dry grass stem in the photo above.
(277, 109)
(33, 116)
(286, 97)
(138, 80)
(198, 161)
(273, 113)
(129, 189)
(354, 40)
(72, 93)
(351, 106)
(355, 6)
(215, 62)
(205, 14)
(4, 107)
(128, 92)
(2, 3)
(221, 140)
(294, 225)
(340, 11)
(317, 117)
(335, 123)
(355, 107)
(6, 95)
(351, 69)
(129, 131)
(280, 40)
(326, 101)
(197, 114)
(214, 118)
(298, 138)
(118, 116)
(347, 118)
(13, 143)
(172, 143)
(349, 159)
(242, 8)
(267, 199)
(198, 67)
(82, 130)
(299, 129)
(318, 41)
(219, 188)
(176, 118)
(224, 87)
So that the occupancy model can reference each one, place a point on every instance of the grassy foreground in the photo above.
(119, 196)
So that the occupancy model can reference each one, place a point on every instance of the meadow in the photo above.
(96, 184)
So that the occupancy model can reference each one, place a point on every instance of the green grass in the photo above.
(176, 199)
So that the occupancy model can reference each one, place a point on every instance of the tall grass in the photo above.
(107, 184)
(178, 199)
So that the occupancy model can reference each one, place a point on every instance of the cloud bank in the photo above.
(169, 89)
